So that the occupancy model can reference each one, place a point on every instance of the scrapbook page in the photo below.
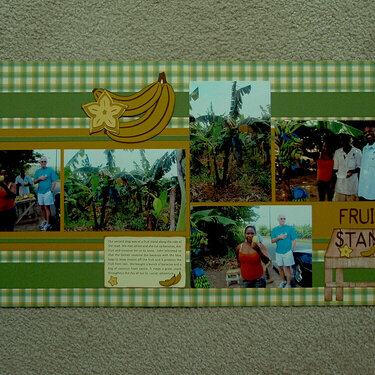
(187, 183)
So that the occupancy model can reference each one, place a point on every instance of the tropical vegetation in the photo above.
(125, 199)
(230, 153)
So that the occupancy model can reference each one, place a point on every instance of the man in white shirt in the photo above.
(366, 188)
(346, 167)
(23, 183)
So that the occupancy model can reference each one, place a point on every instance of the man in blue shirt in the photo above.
(366, 186)
(46, 179)
(285, 238)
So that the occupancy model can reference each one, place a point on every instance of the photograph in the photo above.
(327, 160)
(29, 190)
(230, 135)
(266, 246)
(125, 190)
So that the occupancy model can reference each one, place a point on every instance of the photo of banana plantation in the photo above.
(230, 136)
(124, 190)
(267, 246)
(322, 160)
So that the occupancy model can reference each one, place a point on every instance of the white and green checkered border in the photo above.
(52, 256)
(79, 123)
(68, 123)
(180, 297)
(80, 256)
(284, 76)
(318, 255)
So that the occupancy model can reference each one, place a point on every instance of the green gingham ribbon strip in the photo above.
(79, 256)
(334, 76)
(51, 256)
(180, 297)
(318, 255)
(68, 123)
(284, 77)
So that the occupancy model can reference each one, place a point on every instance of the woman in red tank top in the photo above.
(324, 173)
(249, 258)
(8, 191)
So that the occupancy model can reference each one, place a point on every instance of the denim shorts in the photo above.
(258, 283)
(45, 199)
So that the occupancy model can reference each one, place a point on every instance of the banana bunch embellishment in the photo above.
(172, 281)
(154, 105)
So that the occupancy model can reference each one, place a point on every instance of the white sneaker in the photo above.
(46, 227)
(282, 284)
(44, 223)
(288, 286)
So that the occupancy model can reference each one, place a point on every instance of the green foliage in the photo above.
(14, 160)
(218, 230)
(264, 230)
(219, 147)
(304, 231)
(159, 204)
(108, 198)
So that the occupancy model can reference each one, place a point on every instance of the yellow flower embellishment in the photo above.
(104, 114)
(113, 280)
(345, 251)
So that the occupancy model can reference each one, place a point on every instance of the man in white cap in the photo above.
(46, 179)
(285, 238)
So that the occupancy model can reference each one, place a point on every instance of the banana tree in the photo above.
(198, 235)
(220, 136)
(89, 188)
(150, 181)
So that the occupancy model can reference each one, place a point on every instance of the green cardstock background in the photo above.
(49, 96)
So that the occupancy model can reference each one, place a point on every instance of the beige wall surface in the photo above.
(289, 340)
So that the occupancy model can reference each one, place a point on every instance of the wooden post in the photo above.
(339, 281)
(328, 279)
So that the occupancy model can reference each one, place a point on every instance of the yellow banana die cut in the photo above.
(172, 281)
(155, 105)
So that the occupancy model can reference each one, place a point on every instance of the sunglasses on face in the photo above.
(283, 218)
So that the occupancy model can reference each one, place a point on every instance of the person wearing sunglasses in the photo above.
(285, 237)
(46, 179)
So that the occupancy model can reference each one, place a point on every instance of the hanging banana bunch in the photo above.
(290, 145)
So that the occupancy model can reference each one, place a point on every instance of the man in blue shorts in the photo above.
(285, 238)
(46, 179)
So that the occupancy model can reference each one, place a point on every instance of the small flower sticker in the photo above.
(104, 114)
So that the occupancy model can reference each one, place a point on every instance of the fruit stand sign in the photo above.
(349, 248)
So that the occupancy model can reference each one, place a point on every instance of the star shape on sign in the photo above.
(345, 251)
(113, 280)
(104, 114)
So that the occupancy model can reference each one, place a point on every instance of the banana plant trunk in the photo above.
(172, 203)
(218, 180)
(180, 157)
(227, 150)
(149, 216)
(96, 226)
(105, 194)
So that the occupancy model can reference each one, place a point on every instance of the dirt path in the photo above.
(309, 183)
(217, 279)
(204, 191)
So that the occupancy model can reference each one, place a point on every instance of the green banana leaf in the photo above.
(335, 127)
